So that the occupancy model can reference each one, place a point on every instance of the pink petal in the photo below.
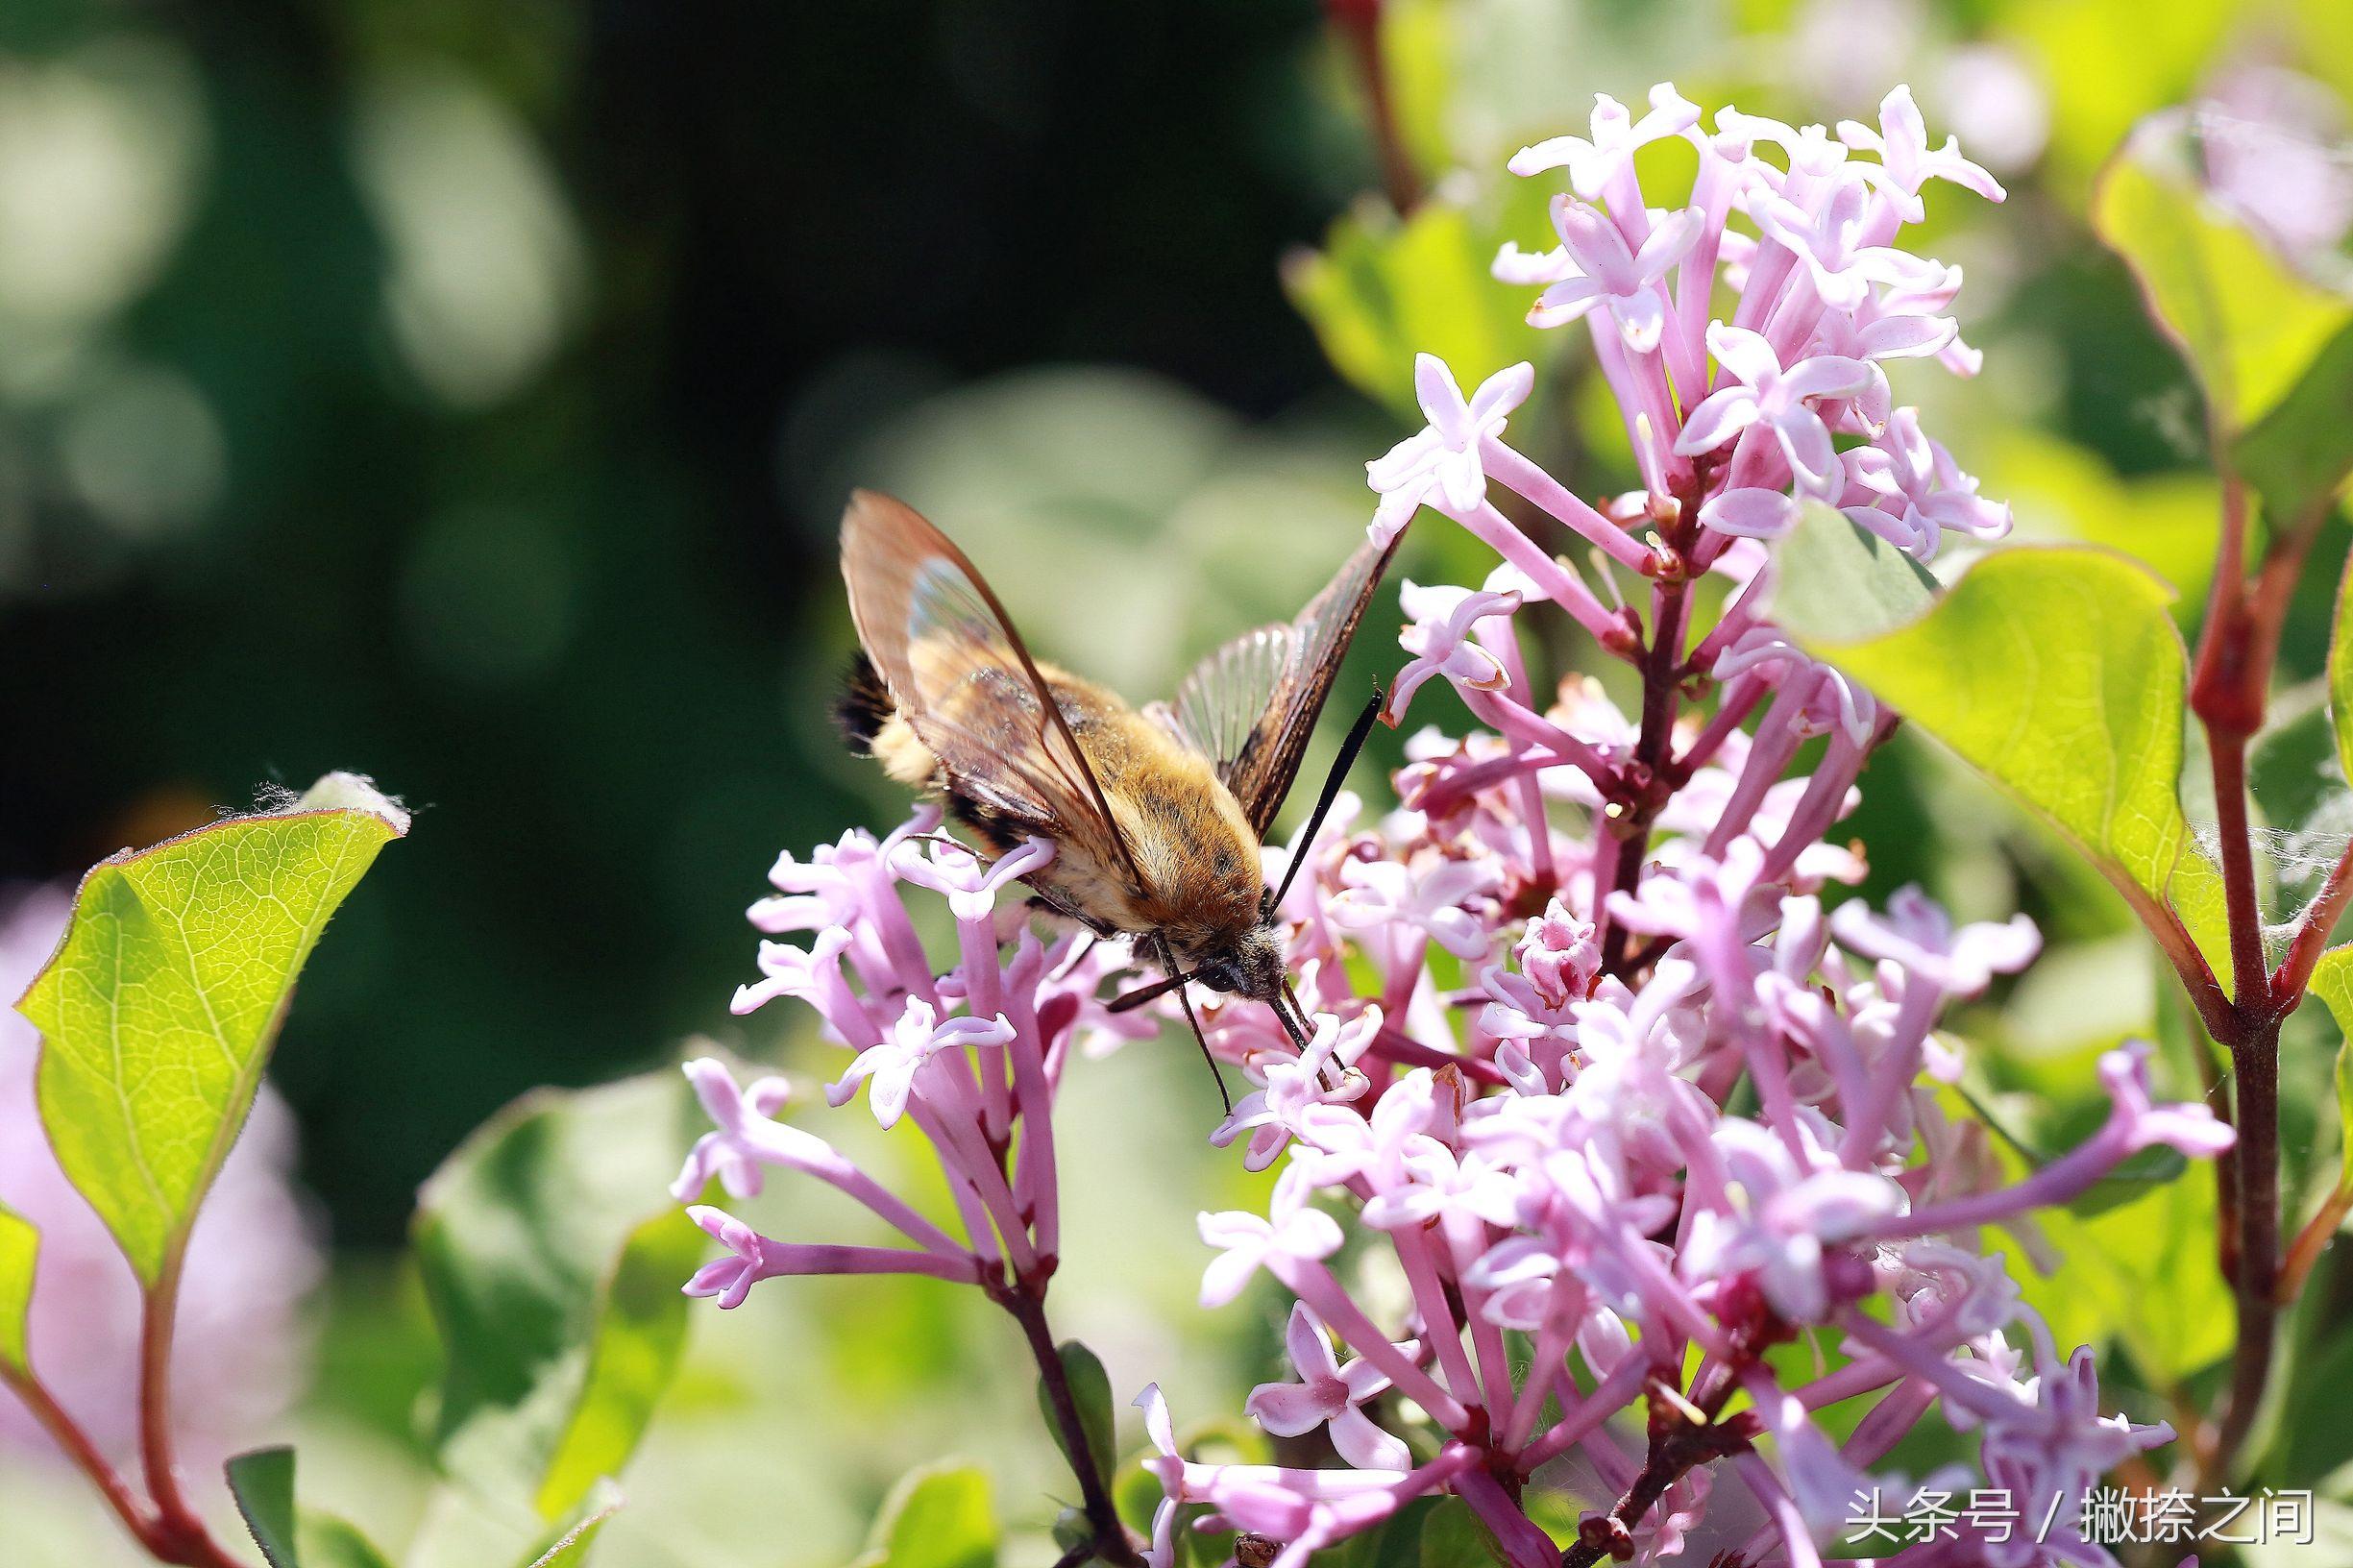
(1366, 1446)
(1289, 1410)
(1750, 512)
(1722, 415)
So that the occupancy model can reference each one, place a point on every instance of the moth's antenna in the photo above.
(1349, 748)
(1177, 984)
(1130, 1000)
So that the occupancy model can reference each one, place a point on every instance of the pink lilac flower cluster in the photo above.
(971, 1056)
(1615, 1158)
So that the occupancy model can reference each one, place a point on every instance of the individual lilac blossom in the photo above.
(1327, 1395)
(1323, 1074)
(1785, 1218)
(1603, 156)
(1594, 269)
(1445, 460)
(241, 1346)
(728, 1153)
(1907, 489)
(1901, 143)
(1918, 936)
(919, 1035)
(1439, 639)
(1437, 902)
(1248, 1242)
(1765, 395)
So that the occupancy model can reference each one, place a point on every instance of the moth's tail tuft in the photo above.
(863, 705)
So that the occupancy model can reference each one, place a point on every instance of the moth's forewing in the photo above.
(964, 680)
(1252, 705)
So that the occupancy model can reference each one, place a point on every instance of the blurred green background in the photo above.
(464, 391)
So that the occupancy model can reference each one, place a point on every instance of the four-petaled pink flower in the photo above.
(1593, 266)
(1918, 937)
(1912, 477)
(727, 1152)
(1439, 639)
(912, 1042)
(1383, 895)
(1595, 161)
(748, 1262)
(1249, 1242)
(1901, 143)
(1444, 460)
(1830, 237)
(1327, 1394)
(1779, 400)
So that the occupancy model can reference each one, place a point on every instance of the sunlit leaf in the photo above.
(20, 1245)
(158, 1012)
(938, 1516)
(551, 1257)
(2250, 326)
(1090, 1387)
(1384, 289)
(2058, 674)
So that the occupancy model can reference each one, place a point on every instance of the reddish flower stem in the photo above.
(1358, 23)
(1025, 1300)
(179, 1533)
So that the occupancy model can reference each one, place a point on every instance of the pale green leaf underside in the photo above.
(20, 1244)
(158, 1011)
(2058, 673)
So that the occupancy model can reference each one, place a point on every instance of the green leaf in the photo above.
(20, 1245)
(1384, 289)
(1454, 1536)
(1842, 583)
(2142, 1274)
(552, 1256)
(2249, 327)
(332, 1542)
(158, 1011)
(640, 1335)
(571, 1547)
(1091, 1388)
(263, 1482)
(2341, 674)
(2332, 981)
(2299, 456)
(2058, 674)
(938, 1516)
(2130, 1180)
